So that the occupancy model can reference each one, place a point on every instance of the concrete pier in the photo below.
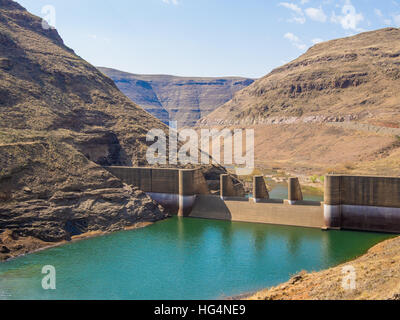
(362, 203)
(187, 194)
(260, 191)
(332, 202)
(227, 188)
(294, 191)
(174, 189)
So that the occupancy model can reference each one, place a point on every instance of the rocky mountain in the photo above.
(47, 89)
(335, 108)
(50, 192)
(180, 99)
(60, 119)
(355, 78)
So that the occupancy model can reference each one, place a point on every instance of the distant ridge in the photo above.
(351, 78)
(173, 98)
(336, 108)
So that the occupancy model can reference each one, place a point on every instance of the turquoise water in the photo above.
(280, 191)
(181, 259)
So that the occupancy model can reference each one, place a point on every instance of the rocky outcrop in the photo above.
(332, 110)
(60, 121)
(180, 99)
(45, 88)
(355, 78)
(51, 192)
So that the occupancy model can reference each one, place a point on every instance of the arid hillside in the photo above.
(335, 108)
(180, 99)
(50, 192)
(60, 120)
(45, 87)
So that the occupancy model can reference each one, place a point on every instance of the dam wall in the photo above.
(351, 202)
(260, 208)
(362, 203)
(174, 189)
(280, 212)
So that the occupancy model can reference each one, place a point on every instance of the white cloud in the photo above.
(297, 12)
(316, 14)
(292, 6)
(396, 20)
(316, 41)
(300, 20)
(174, 2)
(378, 13)
(295, 40)
(291, 37)
(98, 38)
(350, 18)
(388, 22)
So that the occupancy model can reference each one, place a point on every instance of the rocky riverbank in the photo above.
(51, 193)
(377, 277)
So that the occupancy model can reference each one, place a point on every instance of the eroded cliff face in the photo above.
(180, 99)
(51, 192)
(355, 78)
(335, 109)
(60, 121)
(46, 87)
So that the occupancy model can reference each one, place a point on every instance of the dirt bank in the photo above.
(377, 278)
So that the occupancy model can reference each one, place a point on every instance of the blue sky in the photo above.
(207, 37)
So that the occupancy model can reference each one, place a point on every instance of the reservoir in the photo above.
(181, 258)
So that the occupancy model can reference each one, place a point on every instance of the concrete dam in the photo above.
(350, 202)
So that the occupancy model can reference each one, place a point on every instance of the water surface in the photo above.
(181, 259)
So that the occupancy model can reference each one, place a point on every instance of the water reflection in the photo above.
(182, 258)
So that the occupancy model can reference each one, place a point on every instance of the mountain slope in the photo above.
(355, 78)
(45, 87)
(60, 119)
(173, 98)
(334, 109)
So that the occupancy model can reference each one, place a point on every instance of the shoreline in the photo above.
(372, 280)
(321, 285)
(39, 245)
